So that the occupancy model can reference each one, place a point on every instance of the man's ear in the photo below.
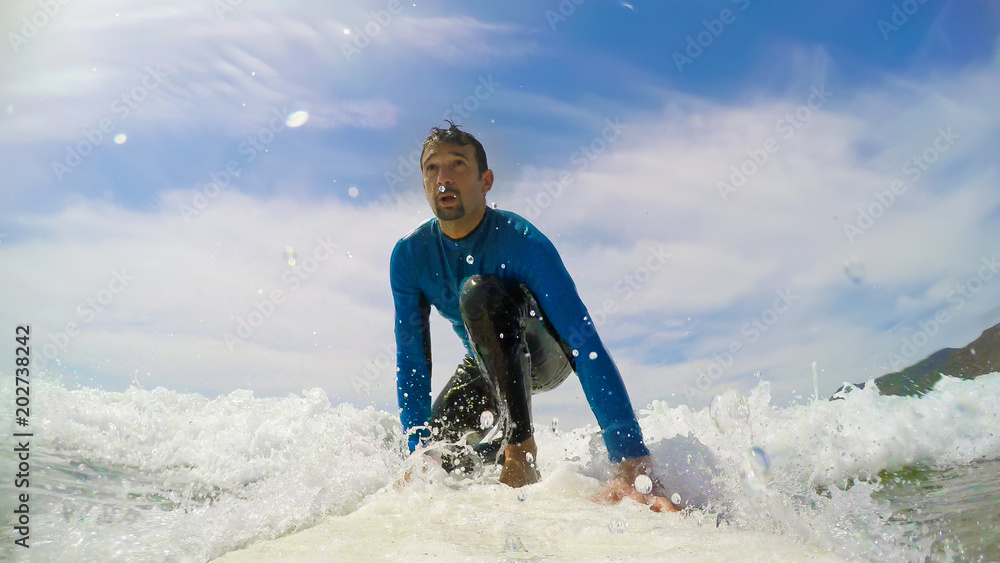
(487, 178)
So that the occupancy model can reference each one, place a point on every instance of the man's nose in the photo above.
(444, 179)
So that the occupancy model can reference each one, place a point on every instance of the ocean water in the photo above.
(156, 475)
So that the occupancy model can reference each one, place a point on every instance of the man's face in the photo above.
(452, 183)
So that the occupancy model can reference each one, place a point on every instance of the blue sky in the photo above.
(847, 93)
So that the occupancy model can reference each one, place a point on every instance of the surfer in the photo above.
(503, 286)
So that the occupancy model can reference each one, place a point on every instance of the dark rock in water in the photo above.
(980, 357)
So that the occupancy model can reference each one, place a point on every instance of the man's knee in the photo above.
(480, 295)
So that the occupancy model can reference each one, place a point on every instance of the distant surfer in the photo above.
(503, 286)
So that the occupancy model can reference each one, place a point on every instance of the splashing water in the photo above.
(153, 475)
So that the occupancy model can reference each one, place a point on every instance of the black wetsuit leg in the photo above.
(457, 418)
(517, 353)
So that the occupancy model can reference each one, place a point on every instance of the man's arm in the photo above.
(546, 276)
(542, 270)
(413, 347)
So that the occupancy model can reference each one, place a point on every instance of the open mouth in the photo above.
(448, 199)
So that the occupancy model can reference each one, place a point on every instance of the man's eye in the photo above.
(431, 167)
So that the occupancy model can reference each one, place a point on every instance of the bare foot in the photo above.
(517, 470)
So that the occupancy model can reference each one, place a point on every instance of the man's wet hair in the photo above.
(456, 136)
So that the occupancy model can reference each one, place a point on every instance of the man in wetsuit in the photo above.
(505, 290)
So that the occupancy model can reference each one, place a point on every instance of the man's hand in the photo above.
(623, 485)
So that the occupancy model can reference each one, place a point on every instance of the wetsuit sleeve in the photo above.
(413, 347)
(542, 270)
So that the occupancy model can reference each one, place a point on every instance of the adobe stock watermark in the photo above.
(656, 258)
(581, 160)
(87, 311)
(292, 278)
(362, 37)
(787, 126)
(566, 8)
(626, 287)
(697, 43)
(410, 164)
(899, 17)
(121, 108)
(752, 330)
(913, 169)
(223, 7)
(928, 328)
(249, 148)
(32, 25)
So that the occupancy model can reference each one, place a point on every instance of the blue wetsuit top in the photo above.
(427, 268)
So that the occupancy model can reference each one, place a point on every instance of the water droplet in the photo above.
(503, 266)
(120, 139)
(297, 119)
(555, 424)
(854, 270)
(756, 470)
(486, 420)
(441, 189)
(352, 191)
(470, 259)
(521, 496)
(576, 353)
(531, 312)
(593, 356)
(676, 499)
(514, 543)
(617, 526)
(406, 395)
(643, 484)
(493, 204)
(529, 458)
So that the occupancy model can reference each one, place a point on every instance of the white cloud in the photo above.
(225, 74)
(460, 40)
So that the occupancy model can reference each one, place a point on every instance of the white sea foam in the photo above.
(161, 475)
